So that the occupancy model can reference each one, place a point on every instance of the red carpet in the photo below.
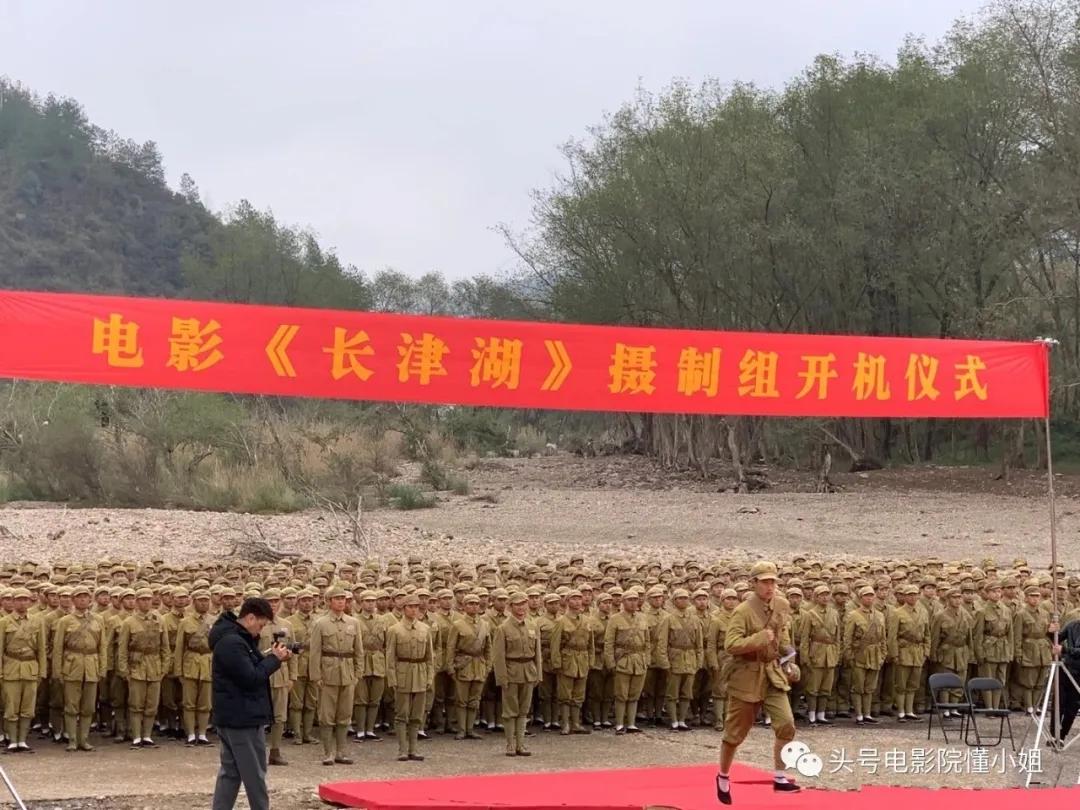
(691, 788)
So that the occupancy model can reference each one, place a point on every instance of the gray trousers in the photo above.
(243, 760)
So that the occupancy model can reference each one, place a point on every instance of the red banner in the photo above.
(160, 343)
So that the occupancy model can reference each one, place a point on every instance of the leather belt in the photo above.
(337, 655)
(412, 660)
(521, 660)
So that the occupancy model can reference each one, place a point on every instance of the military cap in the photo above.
(21, 593)
(616, 591)
(411, 599)
(335, 591)
(144, 593)
(841, 590)
(461, 586)
(699, 592)
(820, 589)
(518, 597)
(1032, 590)
(866, 590)
(471, 599)
(680, 593)
(271, 593)
(763, 569)
(501, 593)
(794, 591)
(200, 593)
(76, 590)
(552, 597)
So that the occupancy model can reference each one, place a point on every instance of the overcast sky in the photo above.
(401, 131)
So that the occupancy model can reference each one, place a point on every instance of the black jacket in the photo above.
(241, 676)
(1070, 640)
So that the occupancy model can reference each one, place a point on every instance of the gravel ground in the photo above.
(174, 777)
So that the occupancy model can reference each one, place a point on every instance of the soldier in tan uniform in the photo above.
(518, 667)
(627, 653)
(23, 651)
(118, 685)
(79, 651)
(864, 651)
(717, 658)
(547, 691)
(654, 688)
(410, 672)
(758, 634)
(908, 639)
(571, 658)
(468, 656)
(337, 663)
(281, 682)
(143, 658)
(600, 688)
(370, 688)
(819, 653)
(950, 641)
(191, 664)
(304, 699)
(992, 641)
(679, 651)
(169, 714)
(1032, 628)
(443, 714)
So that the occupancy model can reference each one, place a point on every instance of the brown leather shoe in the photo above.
(276, 758)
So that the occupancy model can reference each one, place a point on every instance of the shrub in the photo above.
(459, 485)
(405, 496)
(435, 475)
(529, 441)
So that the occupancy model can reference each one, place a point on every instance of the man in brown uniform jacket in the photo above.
(143, 658)
(468, 657)
(757, 636)
(410, 672)
(571, 658)
(518, 669)
(337, 661)
(23, 650)
(79, 653)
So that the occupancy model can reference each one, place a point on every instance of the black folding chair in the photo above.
(938, 682)
(973, 687)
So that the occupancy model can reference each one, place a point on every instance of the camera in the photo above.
(295, 648)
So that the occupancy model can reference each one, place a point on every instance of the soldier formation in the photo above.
(121, 649)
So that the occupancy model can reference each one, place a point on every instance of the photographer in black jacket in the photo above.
(241, 692)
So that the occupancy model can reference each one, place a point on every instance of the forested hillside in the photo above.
(931, 193)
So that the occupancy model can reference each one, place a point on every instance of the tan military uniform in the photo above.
(627, 652)
(1031, 627)
(518, 666)
(718, 660)
(468, 654)
(545, 624)
(992, 646)
(143, 658)
(571, 658)
(191, 663)
(23, 650)
(819, 654)
(864, 652)
(908, 641)
(679, 651)
(281, 683)
(757, 680)
(304, 699)
(950, 645)
(80, 649)
(600, 687)
(410, 672)
(336, 664)
(370, 688)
